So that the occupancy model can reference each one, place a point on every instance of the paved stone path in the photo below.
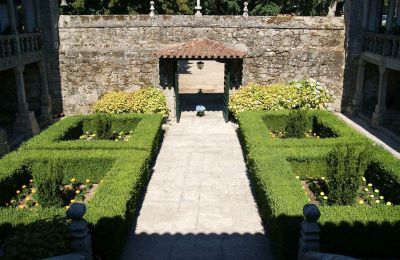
(199, 203)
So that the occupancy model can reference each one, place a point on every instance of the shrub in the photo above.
(346, 167)
(48, 178)
(103, 126)
(273, 165)
(297, 94)
(144, 100)
(296, 125)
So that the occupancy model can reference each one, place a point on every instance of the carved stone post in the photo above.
(46, 116)
(246, 10)
(25, 122)
(81, 241)
(358, 98)
(152, 14)
(390, 16)
(3, 142)
(309, 235)
(380, 108)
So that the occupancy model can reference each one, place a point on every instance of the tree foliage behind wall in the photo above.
(210, 7)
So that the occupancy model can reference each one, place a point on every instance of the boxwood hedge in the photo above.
(259, 123)
(65, 134)
(110, 210)
(121, 170)
(358, 230)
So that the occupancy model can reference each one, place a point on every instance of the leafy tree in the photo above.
(210, 7)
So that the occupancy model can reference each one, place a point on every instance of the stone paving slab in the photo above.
(199, 204)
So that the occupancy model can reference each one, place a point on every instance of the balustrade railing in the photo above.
(8, 46)
(386, 45)
(11, 45)
(29, 42)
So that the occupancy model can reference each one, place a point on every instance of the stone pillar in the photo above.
(25, 122)
(380, 108)
(390, 16)
(398, 13)
(358, 97)
(81, 241)
(29, 15)
(366, 13)
(11, 15)
(46, 115)
(37, 15)
(4, 17)
(309, 234)
(4, 148)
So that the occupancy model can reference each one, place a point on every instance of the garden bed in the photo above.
(134, 131)
(356, 230)
(330, 129)
(109, 180)
(120, 177)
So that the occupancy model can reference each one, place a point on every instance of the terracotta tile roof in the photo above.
(200, 49)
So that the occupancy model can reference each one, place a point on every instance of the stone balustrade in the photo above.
(8, 46)
(386, 45)
(25, 43)
(30, 42)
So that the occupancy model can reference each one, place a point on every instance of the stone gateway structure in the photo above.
(99, 54)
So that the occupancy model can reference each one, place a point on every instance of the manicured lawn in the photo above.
(274, 163)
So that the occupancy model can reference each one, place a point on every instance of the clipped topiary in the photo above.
(103, 125)
(296, 125)
(48, 178)
(346, 167)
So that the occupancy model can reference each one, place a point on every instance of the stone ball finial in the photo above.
(76, 211)
(311, 212)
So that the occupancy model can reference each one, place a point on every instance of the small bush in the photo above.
(296, 125)
(346, 167)
(144, 100)
(48, 177)
(103, 126)
(294, 95)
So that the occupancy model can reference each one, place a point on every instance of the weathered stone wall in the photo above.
(99, 54)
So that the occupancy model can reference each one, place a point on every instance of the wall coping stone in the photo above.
(261, 22)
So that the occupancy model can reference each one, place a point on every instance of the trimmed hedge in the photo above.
(110, 210)
(359, 231)
(64, 135)
(259, 123)
(121, 170)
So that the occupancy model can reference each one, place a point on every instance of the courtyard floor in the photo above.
(199, 203)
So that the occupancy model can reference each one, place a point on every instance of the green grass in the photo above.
(357, 230)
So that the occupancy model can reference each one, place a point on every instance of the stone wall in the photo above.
(99, 54)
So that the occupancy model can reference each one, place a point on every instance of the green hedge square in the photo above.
(65, 134)
(360, 231)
